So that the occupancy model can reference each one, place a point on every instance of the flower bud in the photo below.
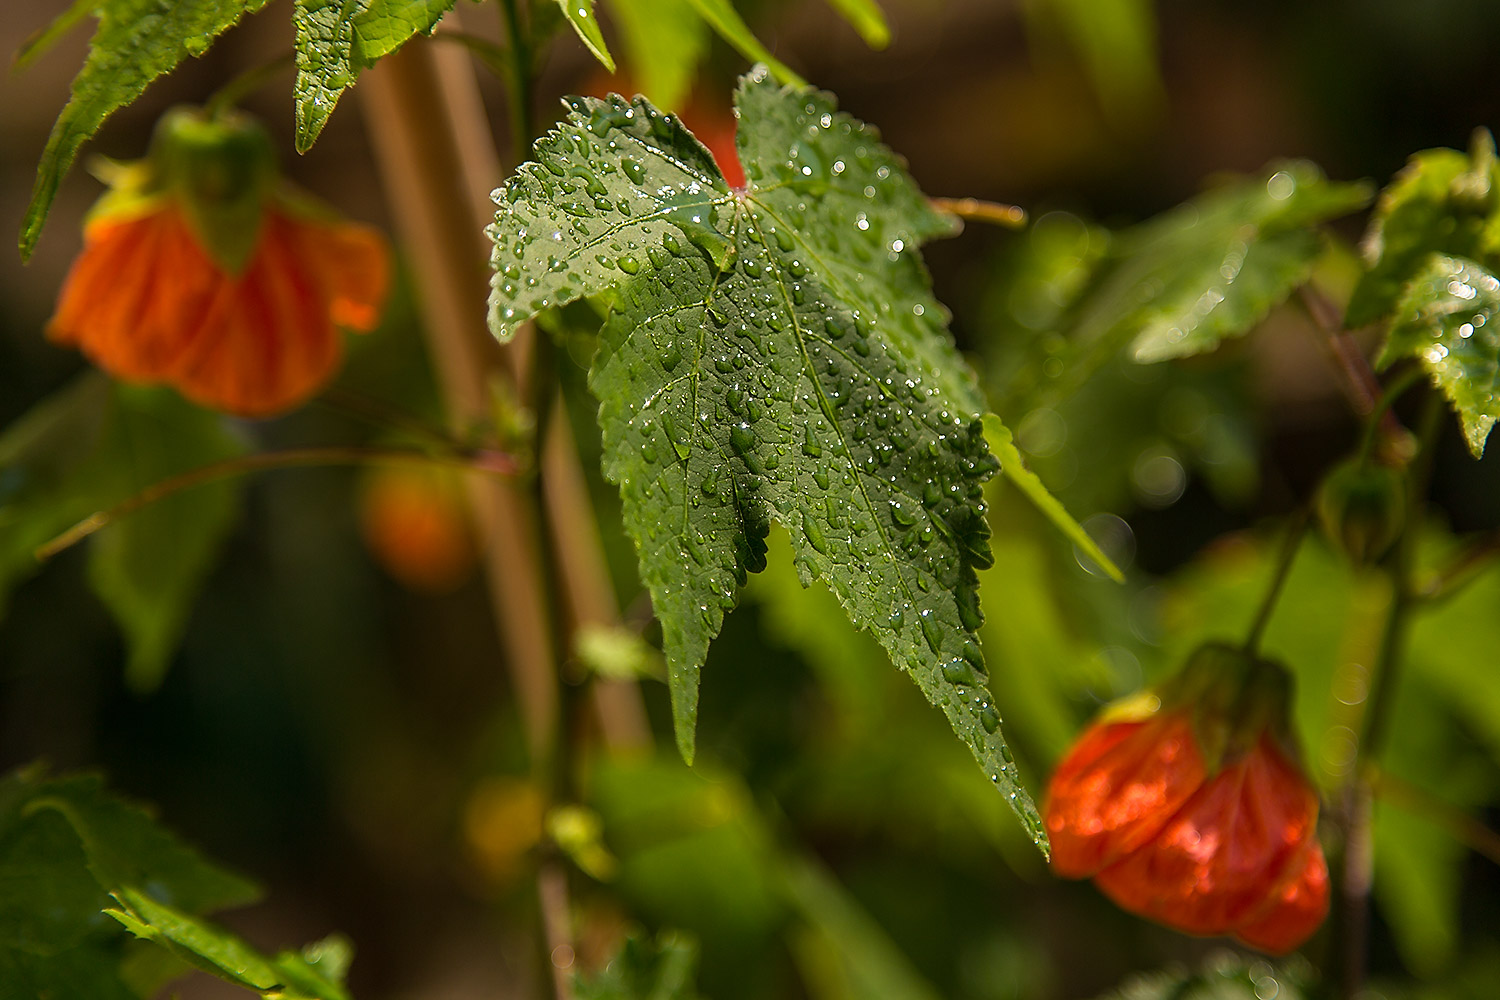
(1362, 508)
(1186, 805)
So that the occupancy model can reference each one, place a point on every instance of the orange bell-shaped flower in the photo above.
(199, 272)
(1185, 806)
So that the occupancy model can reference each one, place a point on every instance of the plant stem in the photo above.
(1361, 387)
(523, 128)
(994, 213)
(1284, 559)
(1459, 825)
(492, 462)
(1462, 571)
(246, 83)
(1359, 847)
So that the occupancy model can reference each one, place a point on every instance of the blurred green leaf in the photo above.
(1225, 976)
(843, 953)
(64, 844)
(645, 970)
(87, 449)
(617, 652)
(1003, 444)
(1449, 320)
(148, 568)
(1116, 40)
(664, 42)
(724, 19)
(867, 18)
(580, 14)
(1442, 202)
(136, 41)
(1212, 268)
(125, 846)
(55, 30)
(335, 39)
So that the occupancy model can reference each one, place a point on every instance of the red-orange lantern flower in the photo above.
(199, 270)
(1186, 805)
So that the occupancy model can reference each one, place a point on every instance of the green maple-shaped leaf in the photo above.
(1442, 202)
(773, 352)
(136, 41)
(1449, 319)
(337, 38)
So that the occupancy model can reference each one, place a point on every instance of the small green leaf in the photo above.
(645, 970)
(771, 354)
(867, 18)
(1214, 267)
(289, 976)
(136, 41)
(843, 952)
(724, 19)
(40, 43)
(580, 14)
(1449, 320)
(1442, 202)
(85, 450)
(1116, 42)
(664, 42)
(335, 39)
(149, 568)
(1013, 467)
(125, 846)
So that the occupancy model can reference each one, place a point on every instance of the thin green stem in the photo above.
(1455, 822)
(1376, 419)
(1463, 570)
(246, 83)
(495, 462)
(1284, 559)
(523, 128)
(1357, 871)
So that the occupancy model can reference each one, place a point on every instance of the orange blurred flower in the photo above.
(415, 524)
(197, 272)
(1185, 806)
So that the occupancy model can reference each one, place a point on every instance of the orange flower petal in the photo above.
(1212, 867)
(1117, 788)
(1296, 911)
(146, 302)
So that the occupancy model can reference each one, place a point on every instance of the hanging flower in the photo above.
(416, 526)
(1186, 806)
(200, 271)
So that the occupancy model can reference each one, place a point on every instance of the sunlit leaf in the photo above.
(580, 14)
(724, 19)
(1013, 467)
(867, 18)
(337, 38)
(645, 970)
(1214, 267)
(288, 976)
(136, 41)
(664, 42)
(1442, 202)
(1449, 320)
(776, 354)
